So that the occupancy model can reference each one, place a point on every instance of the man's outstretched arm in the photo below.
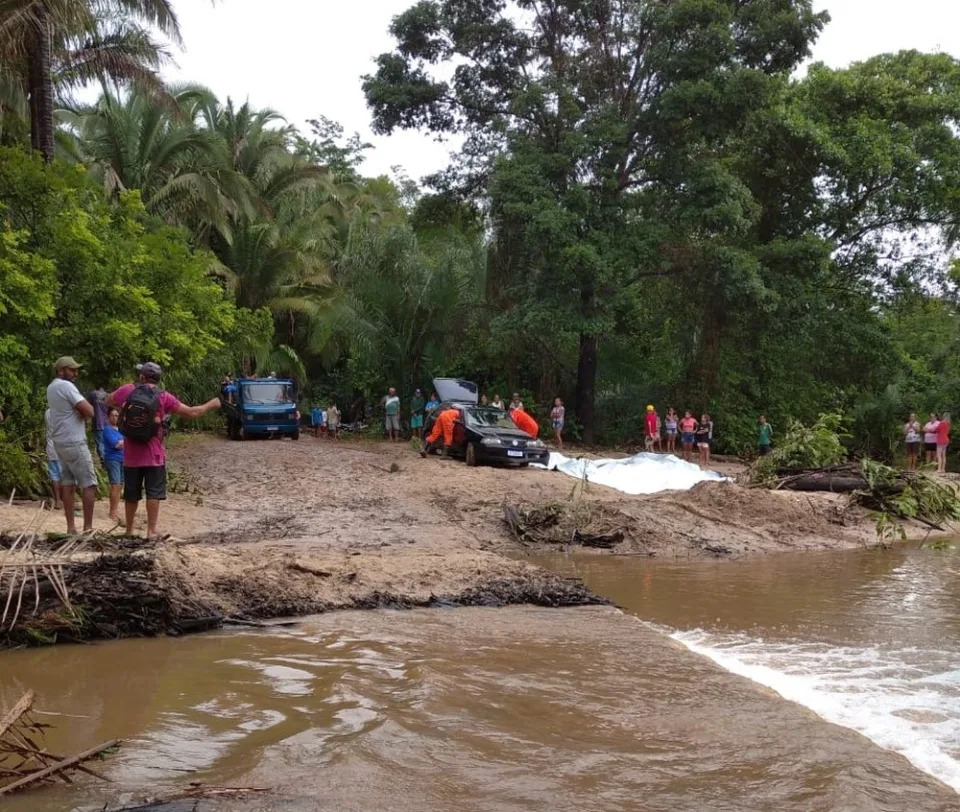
(193, 412)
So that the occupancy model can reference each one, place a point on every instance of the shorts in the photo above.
(930, 448)
(687, 437)
(76, 466)
(392, 422)
(942, 447)
(703, 442)
(152, 478)
(333, 426)
(764, 450)
(913, 448)
(114, 471)
(671, 432)
(557, 425)
(53, 471)
(416, 421)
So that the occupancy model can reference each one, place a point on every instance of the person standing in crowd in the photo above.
(53, 464)
(316, 420)
(651, 428)
(912, 435)
(113, 460)
(496, 403)
(142, 409)
(688, 433)
(391, 414)
(417, 406)
(525, 422)
(484, 401)
(704, 439)
(98, 399)
(557, 416)
(441, 435)
(943, 442)
(930, 438)
(333, 422)
(516, 403)
(672, 423)
(432, 403)
(764, 436)
(69, 411)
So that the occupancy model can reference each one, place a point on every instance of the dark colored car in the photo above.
(483, 433)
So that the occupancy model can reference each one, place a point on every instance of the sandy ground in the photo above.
(282, 527)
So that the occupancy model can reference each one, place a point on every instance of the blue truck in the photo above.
(262, 407)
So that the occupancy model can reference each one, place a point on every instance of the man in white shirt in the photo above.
(69, 411)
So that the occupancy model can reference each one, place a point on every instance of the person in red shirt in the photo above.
(525, 422)
(652, 429)
(442, 431)
(144, 462)
(943, 442)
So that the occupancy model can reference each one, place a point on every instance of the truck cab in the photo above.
(262, 407)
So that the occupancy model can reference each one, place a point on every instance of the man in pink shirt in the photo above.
(145, 458)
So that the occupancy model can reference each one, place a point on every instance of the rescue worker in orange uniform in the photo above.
(525, 422)
(442, 428)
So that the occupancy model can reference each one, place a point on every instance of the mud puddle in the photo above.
(509, 709)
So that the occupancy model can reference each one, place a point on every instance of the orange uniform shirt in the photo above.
(443, 426)
(525, 422)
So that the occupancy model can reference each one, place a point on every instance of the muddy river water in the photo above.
(664, 706)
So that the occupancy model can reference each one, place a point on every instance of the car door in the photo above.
(460, 434)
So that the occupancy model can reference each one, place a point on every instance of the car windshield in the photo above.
(264, 392)
(490, 419)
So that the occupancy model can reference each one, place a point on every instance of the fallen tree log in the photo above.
(826, 481)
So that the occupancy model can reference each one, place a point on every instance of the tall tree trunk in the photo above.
(41, 87)
(586, 381)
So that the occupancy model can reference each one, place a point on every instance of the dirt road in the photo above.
(283, 528)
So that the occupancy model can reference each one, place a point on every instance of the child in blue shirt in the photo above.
(113, 460)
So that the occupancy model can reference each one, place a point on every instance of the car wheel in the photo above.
(295, 435)
(471, 456)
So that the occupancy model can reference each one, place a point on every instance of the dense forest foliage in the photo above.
(654, 202)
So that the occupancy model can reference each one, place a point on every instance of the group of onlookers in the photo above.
(325, 421)
(932, 439)
(687, 429)
(127, 427)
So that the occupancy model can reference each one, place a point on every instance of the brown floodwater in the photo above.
(525, 708)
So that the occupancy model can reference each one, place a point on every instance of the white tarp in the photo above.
(641, 473)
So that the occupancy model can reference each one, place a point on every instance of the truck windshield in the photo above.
(264, 392)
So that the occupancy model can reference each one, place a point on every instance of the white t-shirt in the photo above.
(51, 449)
(66, 426)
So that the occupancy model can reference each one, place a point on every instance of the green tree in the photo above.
(611, 118)
(48, 45)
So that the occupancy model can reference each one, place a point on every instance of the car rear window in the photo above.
(490, 418)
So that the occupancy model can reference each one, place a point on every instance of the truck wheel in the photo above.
(295, 435)
(471, 457)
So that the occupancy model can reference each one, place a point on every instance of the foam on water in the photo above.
(903, 699)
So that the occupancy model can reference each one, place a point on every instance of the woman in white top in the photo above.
(912, 435)
(930, 438)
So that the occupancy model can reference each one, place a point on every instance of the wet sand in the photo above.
(286, 528)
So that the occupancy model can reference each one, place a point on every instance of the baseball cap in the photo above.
(150, 370)
(66, 362)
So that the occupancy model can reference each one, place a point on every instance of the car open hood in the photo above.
(455, 390)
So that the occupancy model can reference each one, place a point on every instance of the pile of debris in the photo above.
(581, 523)
(26, 762)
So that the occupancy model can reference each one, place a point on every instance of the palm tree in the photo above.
(143, 141)
(51, 45)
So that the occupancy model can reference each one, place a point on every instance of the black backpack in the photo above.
(138, 417)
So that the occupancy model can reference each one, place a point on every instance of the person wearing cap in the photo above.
(145, 463)
(651, 424)
(67, 430)
(417, 405)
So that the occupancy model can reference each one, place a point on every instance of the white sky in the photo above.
(304, 58)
